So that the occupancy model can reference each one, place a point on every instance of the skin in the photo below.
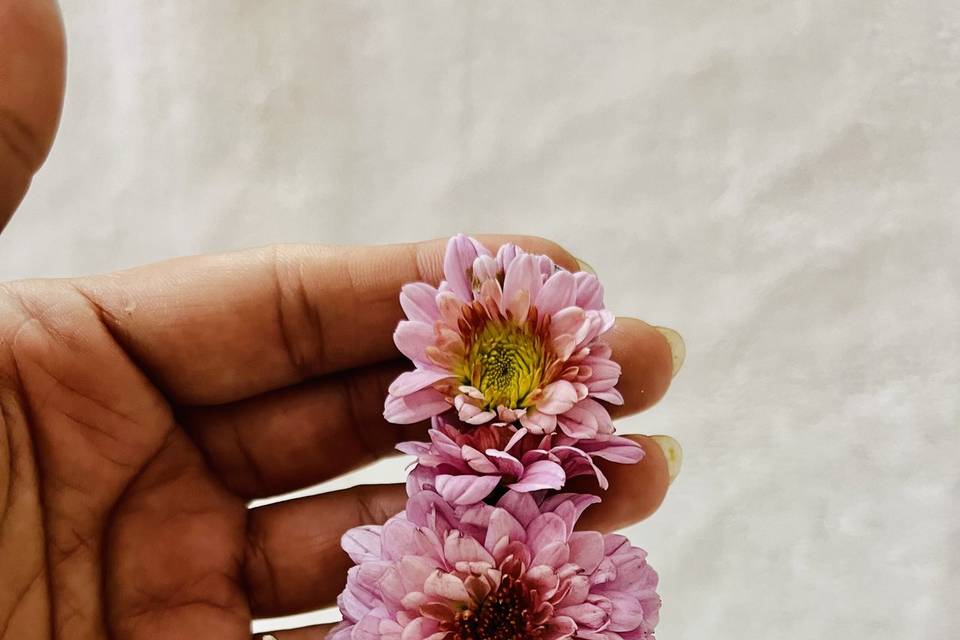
(140, 411)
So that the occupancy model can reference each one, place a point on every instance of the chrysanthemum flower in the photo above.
(465, 464)
(516, 571)
(505, 340)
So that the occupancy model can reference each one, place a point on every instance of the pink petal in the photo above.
(571, 320)
(521, 506)
(557, 397)
(585, 615)
(485, 268)
(471, 413)
(458, 264)
(560, 627)
(415, 407)
(626, 614)
(507, 465)
(410, 381)
(477, 461)
(419, 302)
(556, 554)
(586, 549)
(465, 490)
(460, 548)
(558, 292)
(362, 543)
(540, 475)
(537, 422)
(418, 629)
(521, 285)
(506, 254)
(503, 526)
(546, 528)
(589, 291)
(412, 339)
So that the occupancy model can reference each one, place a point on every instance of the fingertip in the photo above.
(32, 74)
(636, 490)
(646, 360)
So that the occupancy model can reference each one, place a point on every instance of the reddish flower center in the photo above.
(506, 614)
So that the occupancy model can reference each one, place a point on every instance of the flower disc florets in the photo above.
(510, 339)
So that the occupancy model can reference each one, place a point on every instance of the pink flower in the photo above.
(517, 571)
(465, 464)
(511, 339)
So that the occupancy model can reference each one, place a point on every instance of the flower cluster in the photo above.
(512, 371)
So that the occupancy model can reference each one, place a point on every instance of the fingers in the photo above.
(32, 63)
(215, 329)
(296, 437)
(293, 561)
(281, 441)
(636, 490)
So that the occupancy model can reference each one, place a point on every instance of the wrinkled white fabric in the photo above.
(776, 180)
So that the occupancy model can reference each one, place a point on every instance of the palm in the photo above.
(142, 411)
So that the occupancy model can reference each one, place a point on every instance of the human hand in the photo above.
(142, 410)
(32, 62)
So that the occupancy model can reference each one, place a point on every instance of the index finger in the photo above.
(214, 329)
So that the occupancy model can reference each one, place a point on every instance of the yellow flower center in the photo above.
(506, 363)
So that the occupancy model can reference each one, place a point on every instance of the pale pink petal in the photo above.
(540, 475)
(460, 548)
(410, 381)
(465, 490)
(611, 395)
(557, 397)
(506, 254)
(586, 615)
(537, 422)
(471, 413)
(418, 629)
(627, 613)
(521, 506)
(419, 302)
(503, 526)
(413, 338)
(485, 268)
(556, 554)
(362, 543)
(586, 549)
(546, 528)
(477, 461)
(558, 292)
(521, 285)
(415, 407)
(589, 291)
(571, 320)
(458, 264)
(507, 465)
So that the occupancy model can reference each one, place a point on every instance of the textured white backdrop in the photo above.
(777, 180)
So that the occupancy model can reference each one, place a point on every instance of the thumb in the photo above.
(32, 65)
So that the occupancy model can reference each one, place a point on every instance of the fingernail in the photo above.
(677, 348)
(269, 637)
(584, 266)
(673, 452)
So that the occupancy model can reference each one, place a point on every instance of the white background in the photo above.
(776, 180)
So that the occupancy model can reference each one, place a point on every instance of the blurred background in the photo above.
(779, 181)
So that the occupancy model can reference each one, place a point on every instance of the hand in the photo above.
(32, 61)
(142, 410)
